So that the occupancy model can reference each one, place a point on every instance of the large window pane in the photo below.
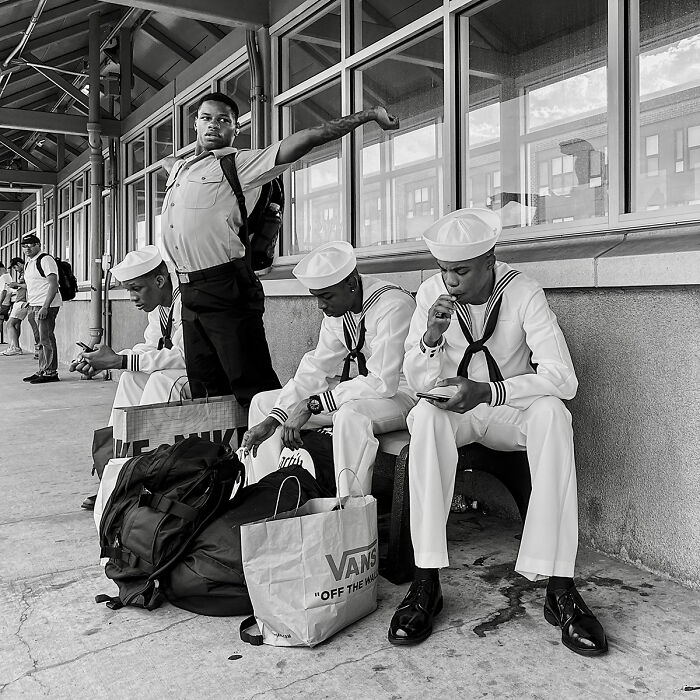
(237, 87)
(535, 127)
(64, 248)
(162, 140)
(316, 196)
(137, 229)
(188, 113)
(79, 244)
(135, 155)
(311, 48)
(375, 19)
(667, 154)
(158, 180)
(401, 182)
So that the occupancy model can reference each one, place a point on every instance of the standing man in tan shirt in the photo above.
(222, 299)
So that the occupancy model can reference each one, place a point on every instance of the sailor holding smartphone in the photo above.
(155, 369)
(484, 335)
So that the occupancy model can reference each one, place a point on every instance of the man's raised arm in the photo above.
(299, 144)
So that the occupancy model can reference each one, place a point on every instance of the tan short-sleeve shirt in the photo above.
(200, 217)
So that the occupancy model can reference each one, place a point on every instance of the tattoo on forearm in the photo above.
(336, 128)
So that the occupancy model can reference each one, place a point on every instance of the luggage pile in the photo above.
(180, 524)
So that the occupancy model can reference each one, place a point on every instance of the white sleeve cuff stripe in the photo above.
(498, 393)
(279, 415)
(328, 401)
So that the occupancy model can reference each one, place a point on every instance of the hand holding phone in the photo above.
(86, 348)
(440, 398)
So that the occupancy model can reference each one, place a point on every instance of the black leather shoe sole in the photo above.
(32, 378)
(410, 641)
(553, 620)
(89, 503)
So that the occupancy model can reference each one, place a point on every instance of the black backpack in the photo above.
(160, 502)
(209, 579)
(262, 228)
(67, 284)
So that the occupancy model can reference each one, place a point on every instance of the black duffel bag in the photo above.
(209, 579)
(160, 502)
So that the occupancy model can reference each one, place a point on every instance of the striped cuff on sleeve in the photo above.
(328, 402)
(431, 351)
(498, 393)
(279, 415)
(133, 362)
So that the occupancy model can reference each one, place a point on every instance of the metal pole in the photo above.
(94, 128)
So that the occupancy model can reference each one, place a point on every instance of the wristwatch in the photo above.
(314, 404)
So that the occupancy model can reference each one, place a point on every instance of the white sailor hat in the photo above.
(464, 234)
(327, 265)
(137, 263)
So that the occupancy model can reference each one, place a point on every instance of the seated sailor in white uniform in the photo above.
(155, 369)
(364, 328)
(484, 335)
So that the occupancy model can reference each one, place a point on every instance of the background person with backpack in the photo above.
(41, 277)
(205, 235)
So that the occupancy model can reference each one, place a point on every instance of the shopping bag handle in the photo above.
(255, 639)
(337, 483)
(279, 493)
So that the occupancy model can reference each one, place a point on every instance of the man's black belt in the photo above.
(210, 273)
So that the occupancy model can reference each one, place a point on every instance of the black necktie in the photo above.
(479, 345)
(166, 324)
(355, 353)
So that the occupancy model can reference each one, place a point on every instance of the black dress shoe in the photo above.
(413, 620)
(31, 378)
(45, 379)
(580, 630)
(89, 503)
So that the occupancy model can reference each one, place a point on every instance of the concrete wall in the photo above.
(635, 416)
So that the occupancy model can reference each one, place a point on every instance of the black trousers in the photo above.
(226, 350)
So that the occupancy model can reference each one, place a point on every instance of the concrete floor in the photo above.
(490, 641)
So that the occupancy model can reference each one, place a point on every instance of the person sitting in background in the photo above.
(5, 305)
(155, 369)
(366, 320)
(19, 311)
(484, 336)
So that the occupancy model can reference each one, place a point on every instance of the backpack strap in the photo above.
(38, 264)
(163, 504)
(255, 639)
(228, 166)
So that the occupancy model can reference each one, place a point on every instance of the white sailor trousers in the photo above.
(550, 536)
(355, 425)
(141, 388)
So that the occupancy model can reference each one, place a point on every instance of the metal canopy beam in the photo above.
(212, 29)
(27, 177)
(57, 14)
(251, 15)
(11, 145)
(55, 139)
(162, 38)
(26, 120)
(10, 206)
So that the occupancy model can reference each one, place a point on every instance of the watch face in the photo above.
(314, 405)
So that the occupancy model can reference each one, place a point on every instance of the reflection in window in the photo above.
(376, 19)
(667, 112)
(311, 48)
(237, 87)
(162, 140)
(316, 197)
(535, 117)
(137, 232)
(401, 181)
(135, 155)
(188, 114)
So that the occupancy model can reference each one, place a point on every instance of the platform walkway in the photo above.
(491, 640)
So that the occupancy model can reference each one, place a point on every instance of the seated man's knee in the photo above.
(424, 412)
(548, 408)
(351, 412)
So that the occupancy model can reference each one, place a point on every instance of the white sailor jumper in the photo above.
(358, 409)
(155, 374)
(526, 413)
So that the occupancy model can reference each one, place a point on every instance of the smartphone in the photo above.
(86, 348)
(435, 397)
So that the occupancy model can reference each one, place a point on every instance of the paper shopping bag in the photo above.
(139, 429)
(311, 572)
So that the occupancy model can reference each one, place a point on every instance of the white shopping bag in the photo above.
(312, 571)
